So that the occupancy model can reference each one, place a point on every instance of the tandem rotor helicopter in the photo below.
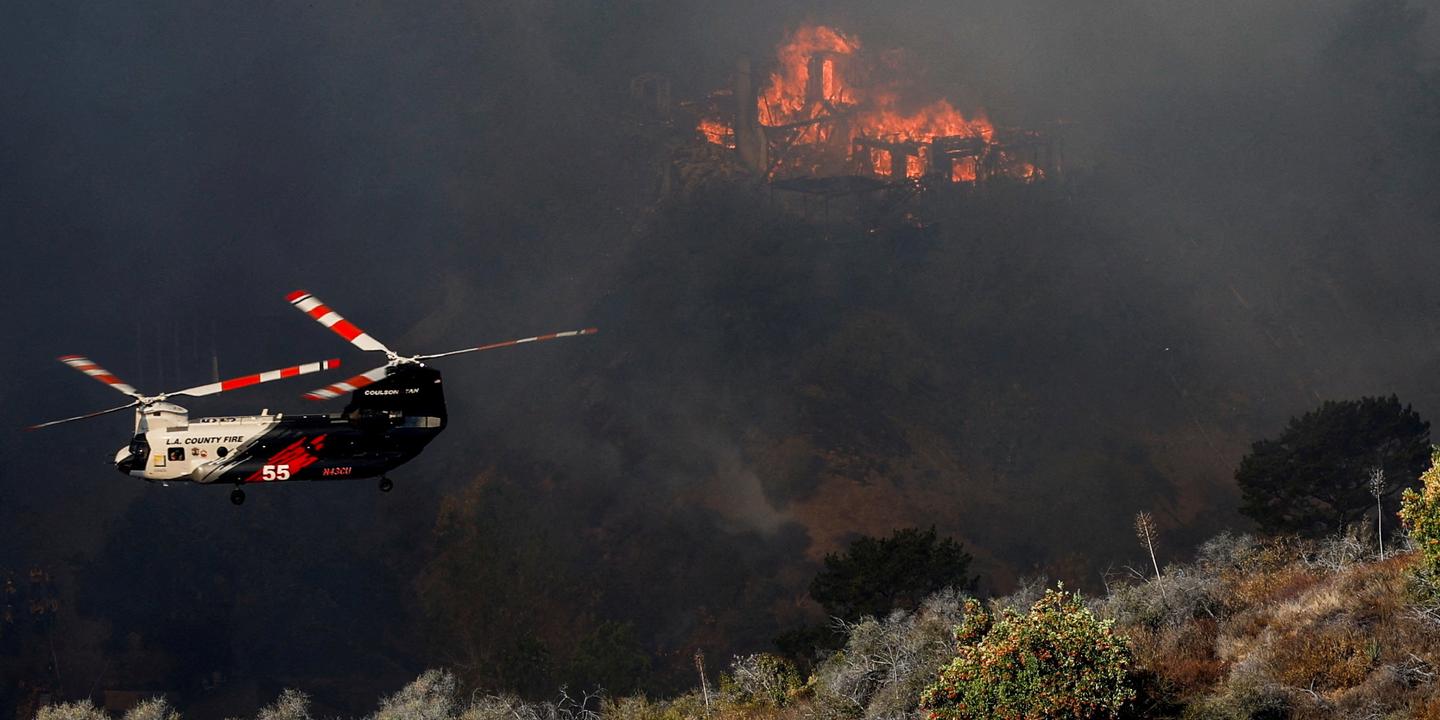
(395, 410)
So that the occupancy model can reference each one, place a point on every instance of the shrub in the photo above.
(430, 697)
(1056, 661)
(638, 707)
(152, 709)
(1227, 551)
(1026, 592)
(71, 711)
(762, 679)
(1179, 597)
(1420, 511)
(634, 707)
(885, 664)
(291, 705)
(509, 707)
(686, 707)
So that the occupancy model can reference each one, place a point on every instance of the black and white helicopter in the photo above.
(395, 410)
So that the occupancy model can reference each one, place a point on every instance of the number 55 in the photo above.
(275, 472)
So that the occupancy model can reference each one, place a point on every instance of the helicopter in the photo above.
(395, 410)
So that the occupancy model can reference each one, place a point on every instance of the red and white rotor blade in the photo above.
(88, 366)
(86, 416)
(510, 343)
(257, 378)
(311, 305)
(350, 385)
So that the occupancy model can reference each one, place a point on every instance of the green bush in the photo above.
(1058, 661)
(1420, 512)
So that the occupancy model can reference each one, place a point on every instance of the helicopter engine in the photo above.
(160, 416)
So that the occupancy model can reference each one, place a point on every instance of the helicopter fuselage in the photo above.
(395, 410)
(385, 425)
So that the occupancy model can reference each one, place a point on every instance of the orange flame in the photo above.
(845, 104)
(913, 169)
(787, 98)
(963, 172)
(938, 119)
(716, 132)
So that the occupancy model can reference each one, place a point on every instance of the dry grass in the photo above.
(1182, 659)
(1321, 659)
(1321, 642)
(1425, 707)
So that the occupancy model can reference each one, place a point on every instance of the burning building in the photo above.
(827, 110)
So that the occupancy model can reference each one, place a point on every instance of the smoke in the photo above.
(1249, 229)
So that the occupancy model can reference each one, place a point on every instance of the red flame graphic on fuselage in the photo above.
(295, 457)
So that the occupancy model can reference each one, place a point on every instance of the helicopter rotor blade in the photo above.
(509, 343)
(86, 416)
(89, 367)
(264, 377)
(311, 305)
(349, 385)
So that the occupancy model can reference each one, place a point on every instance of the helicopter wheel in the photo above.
(386, 484)
(237, 496)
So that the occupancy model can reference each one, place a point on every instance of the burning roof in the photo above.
(829, 108)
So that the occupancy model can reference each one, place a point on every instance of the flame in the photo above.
(963, 171)
(879, 161)
(786, 99)
(938, 119)
(850, 101)
(716, 132)
(913, 168)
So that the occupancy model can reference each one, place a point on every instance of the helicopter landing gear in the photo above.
(237, 496)
(386, 484)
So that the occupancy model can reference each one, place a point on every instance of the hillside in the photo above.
(1251, 629)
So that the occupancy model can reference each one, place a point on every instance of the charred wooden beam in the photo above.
(832, 116)
(815, 79)
(750, 140)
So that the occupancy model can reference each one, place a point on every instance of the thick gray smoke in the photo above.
(1250, 227)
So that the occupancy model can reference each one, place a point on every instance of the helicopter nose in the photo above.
(125, 460)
